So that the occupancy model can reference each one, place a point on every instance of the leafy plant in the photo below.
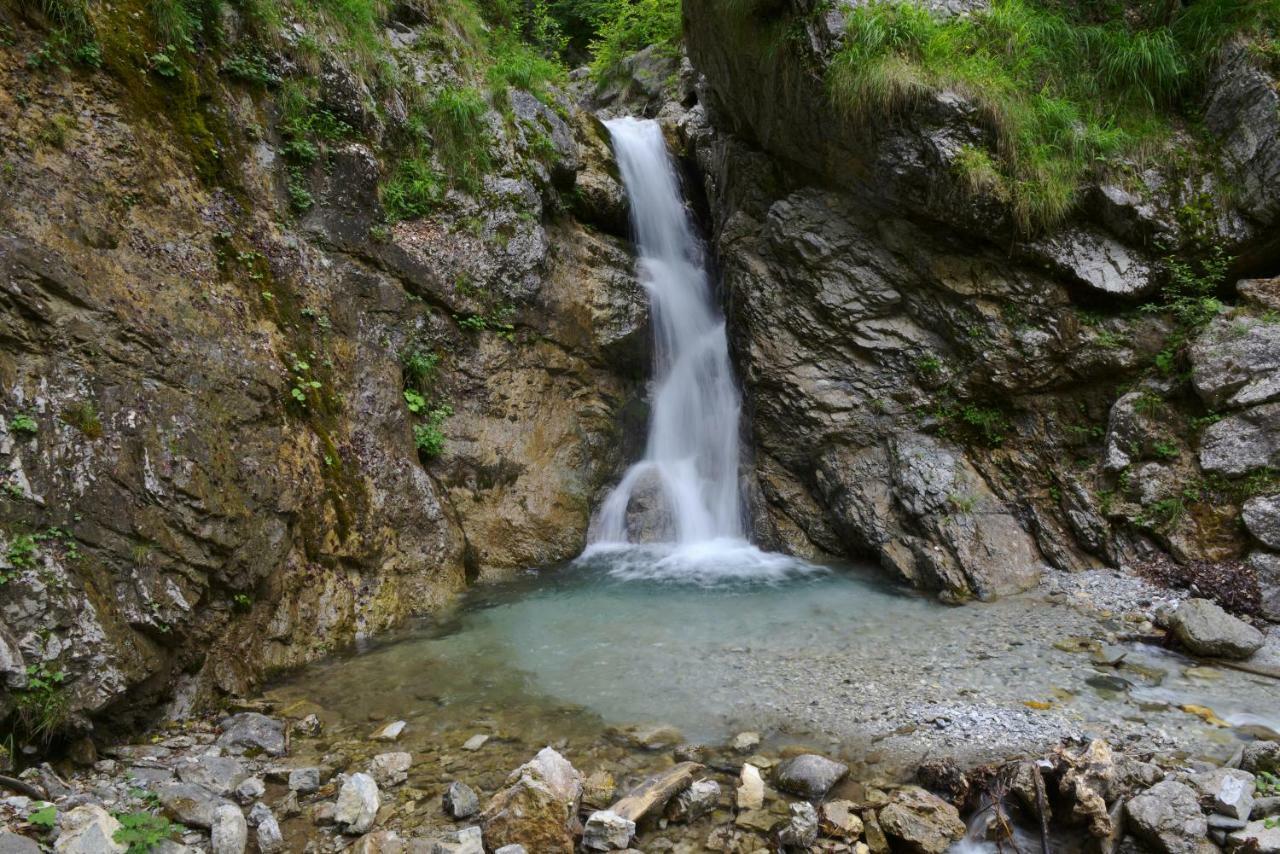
(241, 602)
(24, 423)
(45, 817)
(428, 437)
(42, 704)
(20, 555)
(141, 831)
(413, 191)
(414, 400)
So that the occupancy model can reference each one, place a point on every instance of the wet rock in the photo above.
(250, 790)
(270, 839)
(802, 830)
(88, 829)
(605, 830)
(1087, 785)
(750, 791)
(1241, 112)
(920, 821)
(388, 732)
(946, 778)
(693, 803)
(599, 789)
(252, 731)
(358, 802)
(1257, 838)
(1167, 817)
(539, 807)
(189, 804)
(460, 801)
(390, 769)
(1226, 791)
(840, 820)
(304, 780)
(655, 737)
(1205, 629)
(230, 832)
(1261, 756)
(1262, 515)
(809, 775)
(745, 742)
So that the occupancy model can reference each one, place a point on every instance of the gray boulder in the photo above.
(12, 843)
(252, 731)
(230, 832)
(304, 780)
(1267, 566)
(1226, 791)
(605, 830)
(1243, 113)
(1262, 518)
(1257, 837)
(920, 821)
(1243, 442)
(1205, 629)
(809, 775)
(1096, 260)
(1235, 362)
(1261, 756)
(88, 829)
(358, 802)
(1167, 818)
(189, 804)
(390, 769)
(693, 803)
(802, 830)
(218, 774)
(460, 800)
(270, 839)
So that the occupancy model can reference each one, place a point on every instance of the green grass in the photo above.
(1061, 95)
(413, 190)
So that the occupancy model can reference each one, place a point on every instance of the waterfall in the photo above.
(690, 464)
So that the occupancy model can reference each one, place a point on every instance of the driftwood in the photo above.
(23, 787)
(1042, 807)
(1246, 667)
(655, 791)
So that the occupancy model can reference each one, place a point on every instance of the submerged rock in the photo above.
(539, 807)
(358, 803)
(920, 821)
(1167, 817)
(809, 775)
(388, 732)
(1205, 629)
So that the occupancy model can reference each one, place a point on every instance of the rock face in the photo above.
(216, 382)
(1167, 817)
(1205, 629)
(539, 807)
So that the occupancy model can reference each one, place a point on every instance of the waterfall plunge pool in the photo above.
(830, 656)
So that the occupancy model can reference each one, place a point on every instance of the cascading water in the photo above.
(690, 465)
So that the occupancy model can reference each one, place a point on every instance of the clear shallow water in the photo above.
(714, 639)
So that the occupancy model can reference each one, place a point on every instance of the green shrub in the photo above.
(626, 27)
(42, 704)
(414, 189)
(141, 831)
(23, 422)
(428, 437)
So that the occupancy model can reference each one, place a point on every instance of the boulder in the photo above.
(88, 829)
(304, 780)
(1205, 629)
(1262, 517)
(460, 801)
(230, 832)
(358, 802)
(745, 742)
(1167, 817)
(1261, 756)
(390, 769)
(250, 790)
(270, 839)
(840, 820)
(920, 821)
(693, 803)
(538, 808)
(1242, 442)
(809, 775)
(189, 804)
(468, 840)
(218, 774)
(252, 731)
(750, 791)
(1226, 791)
(802, 830)
(605, 830)
(599, 789)
(1267, 567)
(1257, 837)
(1235, 362)
(12, 843)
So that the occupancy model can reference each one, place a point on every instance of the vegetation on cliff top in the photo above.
(1063, 88)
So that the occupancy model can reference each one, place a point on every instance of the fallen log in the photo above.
(655, 791)
(23, 788)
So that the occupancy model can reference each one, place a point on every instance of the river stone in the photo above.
(605, 830)
(1257, 838)
(250, 790)
(358, 803)
(840, 819)
(802, 830)
(270, 839)
(1261, 756)
(920, 821)
(12, 843)
(1205, 629)
(189, 804)
(252, 731)
(1167, 817)
(388, 732)
(809, 775)
(745, 742)
(390, 769)
(511, 849)
(538, 808)
(468, 840)
(1267, 567)
(304, 780)
(218, 774)
(599, 789)
(1228, 791)
(693, 803)
(1262, 517)
(88, 829)
(460, 801)
(475, 742)
(230, 832)
(750, 791)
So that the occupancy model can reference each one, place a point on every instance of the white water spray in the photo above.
(692, 449)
